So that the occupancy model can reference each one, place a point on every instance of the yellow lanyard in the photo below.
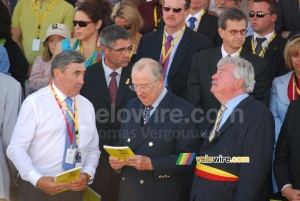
(133, 48)
(74, 116)
(164, 54)
(296, 86)
(40, 20)
(264, 48)
(196, 27)
(155, 17)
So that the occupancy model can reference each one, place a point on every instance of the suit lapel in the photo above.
(123, 88)
(182, 50)
(272, 47)
(100, 82)
(154, 123)
(204, 25)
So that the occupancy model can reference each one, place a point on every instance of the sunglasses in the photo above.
(175, 10)
(127, 27)
(258, 14)
(81, 23)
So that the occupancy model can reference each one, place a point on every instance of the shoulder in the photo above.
(8, 82)
(283, 78)
(210, 17)
(84, 102)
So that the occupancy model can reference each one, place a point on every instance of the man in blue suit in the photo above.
(157, 126)
(244, 128)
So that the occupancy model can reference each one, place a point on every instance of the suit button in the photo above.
(141, 181)
(123, 178)
(128, 140)
(159, 176)
(150, 144)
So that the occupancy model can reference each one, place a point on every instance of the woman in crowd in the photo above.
(125, 14)
(286, 87)
(18, 64)
(41, 68)
(90, 18)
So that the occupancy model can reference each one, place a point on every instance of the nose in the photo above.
(81, 79)
(214, 77)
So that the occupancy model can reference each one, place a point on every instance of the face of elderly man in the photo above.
(70, 79)
(147, 89)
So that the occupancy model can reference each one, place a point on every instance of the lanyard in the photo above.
(40, 20)
(73, 117)
(264, 48)
(155, 17)
(164, 54)
(295, 83)
(196, 27)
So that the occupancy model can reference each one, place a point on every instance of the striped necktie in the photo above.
(217, 123)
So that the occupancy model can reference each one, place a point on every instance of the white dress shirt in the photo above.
(108, 71)
(38, 141)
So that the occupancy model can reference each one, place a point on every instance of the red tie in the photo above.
(167, 47)
(113, 87)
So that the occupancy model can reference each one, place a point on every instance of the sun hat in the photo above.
(58, 29)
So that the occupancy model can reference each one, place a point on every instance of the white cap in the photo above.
(58, 29)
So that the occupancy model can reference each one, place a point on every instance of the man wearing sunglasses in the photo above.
(109, 96)
(173, 46)
(232, 29)
(202, 22)
(265, 42)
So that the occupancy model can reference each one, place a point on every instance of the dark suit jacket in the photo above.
(249, 131)
(287, 154)
(162, 139)
(107, 118)
(288, 18)
(191, 42)
(209, 27)
(273, 54)
(204, 65)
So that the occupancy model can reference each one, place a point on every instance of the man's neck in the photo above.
(230, 50)
(171, 30)
(195, 11)
(263, 34)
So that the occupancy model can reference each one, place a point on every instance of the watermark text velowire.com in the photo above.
(222, 159)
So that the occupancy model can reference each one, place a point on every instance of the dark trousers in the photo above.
(28, 192)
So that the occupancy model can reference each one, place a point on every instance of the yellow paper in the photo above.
(68, 177)
(90, 195)
(119, 152)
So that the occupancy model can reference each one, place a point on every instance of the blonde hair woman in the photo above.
(126, 14)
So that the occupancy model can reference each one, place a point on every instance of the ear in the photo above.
(239, 84)
(221, 32)
(273, 17)
(98, 24)
(56, 73)
(104, 49)
(187, 12)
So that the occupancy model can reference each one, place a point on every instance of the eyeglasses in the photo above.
(122, 50)
(81, 23)
(235, 32)
(175, 10)
(139, 88)
(258, 14)
(127, 27)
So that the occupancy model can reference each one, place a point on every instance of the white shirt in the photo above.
(108, 71)
(224, 53)
(38, 141)
(268, 37)
(197, 16)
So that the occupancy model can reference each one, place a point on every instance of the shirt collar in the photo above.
(268, 36)
(224, 53)
(159, 99)
(108, 70)
(197, 16)
(59, 93)
(231, 104)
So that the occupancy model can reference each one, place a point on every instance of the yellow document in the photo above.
(119, 152)
(68, 177)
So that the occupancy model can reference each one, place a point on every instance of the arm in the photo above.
(273, 108)
(258, 146)
(38, 77)
(17, 36)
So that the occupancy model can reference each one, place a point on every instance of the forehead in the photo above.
(142, 76)
(121, 43)
(175, 3)
(260, 6)
(75, 67)
(226, 68)
(236, 25)
(121, 21)
(80, 15)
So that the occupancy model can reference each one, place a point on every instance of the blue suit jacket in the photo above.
(162, 139)
(279, 100)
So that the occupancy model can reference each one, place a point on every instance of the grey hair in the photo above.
(233, 14)
(155, 67)
(63, 59)
(109, 35)
(243, 69)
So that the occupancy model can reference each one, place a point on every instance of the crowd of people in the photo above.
(166, 78)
